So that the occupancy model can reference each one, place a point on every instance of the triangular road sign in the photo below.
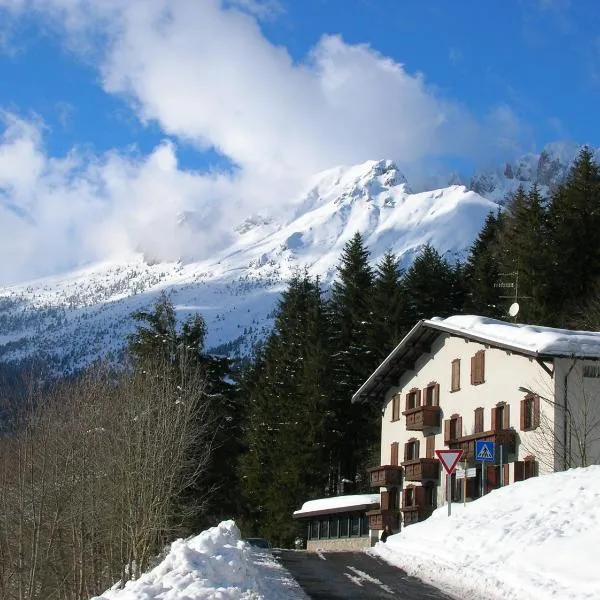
(449, 459)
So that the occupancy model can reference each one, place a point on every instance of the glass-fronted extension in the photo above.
(340, 525)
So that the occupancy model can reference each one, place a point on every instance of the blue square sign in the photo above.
(485, 451)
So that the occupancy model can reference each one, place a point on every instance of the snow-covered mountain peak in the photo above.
(546, 169)
(78, 317)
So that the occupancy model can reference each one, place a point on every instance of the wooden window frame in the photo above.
(531, 402)
(530, 467)
(478, 368)
(455, 376)
(413, 393)
(394, 454)
(435, 394)
(396, 399)
(479, 422)
(505, 416)
(448, 428)
(412, 449)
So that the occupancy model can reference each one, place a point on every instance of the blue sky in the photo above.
(539, 58)
(116, 117)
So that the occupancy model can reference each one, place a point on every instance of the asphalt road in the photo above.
(350, 575)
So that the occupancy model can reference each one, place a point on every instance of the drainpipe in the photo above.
(567, 436)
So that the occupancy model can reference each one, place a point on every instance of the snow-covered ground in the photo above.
(533, 540)
(214, 565)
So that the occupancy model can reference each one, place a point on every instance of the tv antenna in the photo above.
(514, 308)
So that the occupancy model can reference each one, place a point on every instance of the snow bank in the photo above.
(214, 565)
(533, 540)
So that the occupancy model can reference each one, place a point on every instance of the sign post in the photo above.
(485, 452)
(449, 460)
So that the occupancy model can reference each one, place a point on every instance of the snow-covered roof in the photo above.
(336, 504)
(543, 343)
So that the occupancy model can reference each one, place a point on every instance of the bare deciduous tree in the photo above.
(92, 473)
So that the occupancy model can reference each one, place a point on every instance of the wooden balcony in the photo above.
(422, 417)
(421, 469)
(378, 519)
(385, 475)
(505, 437)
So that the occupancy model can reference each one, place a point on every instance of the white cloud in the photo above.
(206, 74)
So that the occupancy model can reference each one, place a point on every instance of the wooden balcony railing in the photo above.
(421, 469)
(414, 514)
(422, 417)
(505, 437)
(385, 475)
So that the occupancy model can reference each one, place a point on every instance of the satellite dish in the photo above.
(514, 309)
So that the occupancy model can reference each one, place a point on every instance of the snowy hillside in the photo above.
(547, 169)
(83, 315)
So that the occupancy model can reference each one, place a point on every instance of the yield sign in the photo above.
(449, 459)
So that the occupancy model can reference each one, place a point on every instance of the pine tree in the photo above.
(288, 395)
(574, 238)
(433, 286)
(389, 310)
(523, 256)
(356, 426)
(482, 271)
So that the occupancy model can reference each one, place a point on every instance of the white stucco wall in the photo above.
(504, 373)
(583, 431)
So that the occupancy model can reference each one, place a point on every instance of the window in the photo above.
(478, 368)
(396, 407)
(591, 371)
(455, 383)
(452, 428)
(324, 528)
(430, 495)
(408, 497)
(413, 399)
(478, 420)
(314, 530)
(355, 526)
(344, 526)
(530, 412)
(524, 469)
(432, 394)
(501, 416)
(394, 454)
(530, 467)
(364, 525)
(334, 528)
(411, 449)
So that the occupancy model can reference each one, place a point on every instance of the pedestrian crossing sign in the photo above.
(485, 451)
